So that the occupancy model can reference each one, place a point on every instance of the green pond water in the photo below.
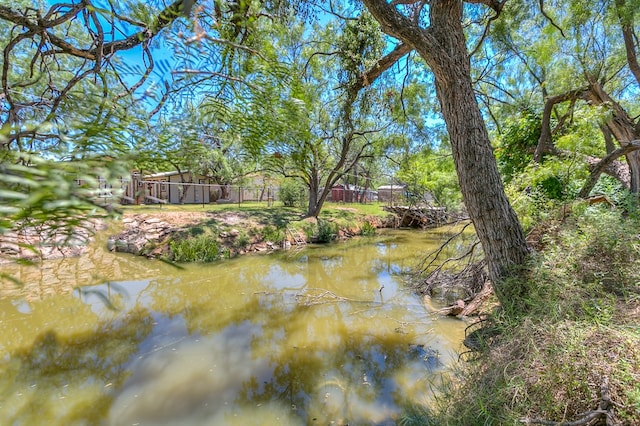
(324, 335)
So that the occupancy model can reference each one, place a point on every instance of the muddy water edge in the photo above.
(324, 335)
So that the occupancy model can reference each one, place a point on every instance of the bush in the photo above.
(273, 234)
(517, 143)
(327, 231)
(292, 193)
(367, 229)
(618, 195)
(202, 248)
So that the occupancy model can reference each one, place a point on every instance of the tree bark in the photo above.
(443, 46)
(597, 168)
(622, 126)
(545, 143)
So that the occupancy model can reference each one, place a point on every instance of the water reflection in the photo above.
(324, 335)
(66, 377)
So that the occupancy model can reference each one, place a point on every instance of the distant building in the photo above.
(168, 187)
(352, 194)
(392, 193)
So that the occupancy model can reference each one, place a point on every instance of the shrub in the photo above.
(273, 234)
(292, 193)
(367, 229)
(202, 248)
(326, 231)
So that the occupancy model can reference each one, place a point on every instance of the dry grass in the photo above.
(572, 326)
(547, 371)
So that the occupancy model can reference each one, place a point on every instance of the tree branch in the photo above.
(545, 143)
(550, 19)
(395, 24)
(367, 78)
(165, 18)
(621, 124)
(496, 5)
(628, 36)
(600, 166)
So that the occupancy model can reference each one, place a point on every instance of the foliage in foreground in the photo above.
(575, 331)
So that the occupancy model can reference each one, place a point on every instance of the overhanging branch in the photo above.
(545, 143)
(43, 26)
(367, 78)
(598, 168)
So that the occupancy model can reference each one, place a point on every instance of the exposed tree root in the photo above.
(474, 305)
(472, 279)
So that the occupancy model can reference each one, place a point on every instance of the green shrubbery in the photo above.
(292, 193)
(570, 328)
(273, 234)
(201, 248)
(327, 231)
(242, 240)
(367, 229)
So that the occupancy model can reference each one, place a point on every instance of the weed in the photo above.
(242, 240)
(309, 230)
(367, 229)
(196, 230)
(202, 248)
(273, 234)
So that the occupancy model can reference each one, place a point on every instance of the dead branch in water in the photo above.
(469, 306)
(471, 278)
(436, 253)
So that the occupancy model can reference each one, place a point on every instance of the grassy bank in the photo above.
(212, 232)
(568, 344)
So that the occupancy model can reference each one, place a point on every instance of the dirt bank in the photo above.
(234, 232)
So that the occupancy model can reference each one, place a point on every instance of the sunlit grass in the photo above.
(329, 210)
(568, 330)
(223, 230)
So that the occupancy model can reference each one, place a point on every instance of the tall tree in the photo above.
(439, 38)
(192, 141)
(334, 128)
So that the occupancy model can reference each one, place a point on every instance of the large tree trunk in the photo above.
(317, 198)
(314, 193)
(443, 47)
(495, 222)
